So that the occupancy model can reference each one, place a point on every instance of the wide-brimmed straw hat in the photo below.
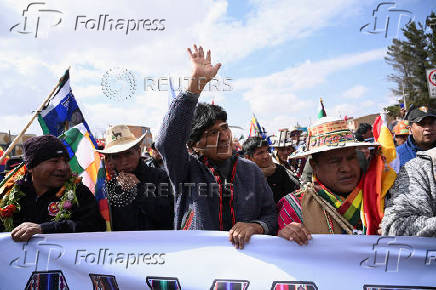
(119, 138)
(328, 134)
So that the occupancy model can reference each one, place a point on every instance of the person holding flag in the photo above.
(61, 116)
(43, 197)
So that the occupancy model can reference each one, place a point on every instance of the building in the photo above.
(138, 131)
(6, 139)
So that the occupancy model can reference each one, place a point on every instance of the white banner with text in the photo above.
(207, 260)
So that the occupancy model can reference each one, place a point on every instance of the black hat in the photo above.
(417, 114)
(41, 148)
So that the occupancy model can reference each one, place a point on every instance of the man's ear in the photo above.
(313, 165)
(200, 145)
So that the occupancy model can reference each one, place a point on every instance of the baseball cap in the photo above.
(419, 113)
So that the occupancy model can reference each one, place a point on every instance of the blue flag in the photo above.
(62, 112)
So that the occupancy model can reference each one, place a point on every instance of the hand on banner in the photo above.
(296, 232)
(203, 70)
(241, 232)
(25, 231)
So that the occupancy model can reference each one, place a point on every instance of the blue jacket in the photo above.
(196, 206)
(407, 151)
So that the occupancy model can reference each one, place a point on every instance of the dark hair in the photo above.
(250, 145)
(363, 128)
(205, 116)
(153, 146)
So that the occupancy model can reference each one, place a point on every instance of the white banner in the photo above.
(207, 260)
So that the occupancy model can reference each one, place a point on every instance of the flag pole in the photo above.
(12, 145)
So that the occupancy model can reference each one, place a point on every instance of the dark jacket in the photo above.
(153, 206)
(197, 204)
(85, 216)
(281, 183)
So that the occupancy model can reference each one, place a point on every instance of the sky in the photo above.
(278, 57)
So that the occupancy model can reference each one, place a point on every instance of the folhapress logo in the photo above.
(107, 23)
(387, 254)
(37, 254)
(38, 18)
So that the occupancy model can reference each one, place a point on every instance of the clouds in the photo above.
(281, 95)
(31, 67)
(268, 24)
(354, 93)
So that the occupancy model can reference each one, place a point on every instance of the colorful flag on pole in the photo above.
(321, 110)
(62, 112)
(86, 162)
(257, 130)
(4, 160)
(379, 177)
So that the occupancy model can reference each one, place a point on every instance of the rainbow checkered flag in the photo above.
(257, 130)
(86, 162)
(54, 119)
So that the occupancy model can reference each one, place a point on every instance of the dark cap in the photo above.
(419, 113)
(41, 148)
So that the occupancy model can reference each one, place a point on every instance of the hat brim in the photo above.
(121, 147)
(331, 147)
(419, 119)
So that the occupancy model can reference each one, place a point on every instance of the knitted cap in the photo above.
(41, 148)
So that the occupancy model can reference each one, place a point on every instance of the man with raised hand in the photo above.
(214, 188)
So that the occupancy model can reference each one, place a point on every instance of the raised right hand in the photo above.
(203, 71)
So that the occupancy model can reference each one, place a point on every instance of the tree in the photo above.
(409, 59)
(431, 36)
(416, 46)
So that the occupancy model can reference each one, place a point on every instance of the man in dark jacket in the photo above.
(257, 150)
(422, 122)
(139, 196)
(43, 197)
(215, 190)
